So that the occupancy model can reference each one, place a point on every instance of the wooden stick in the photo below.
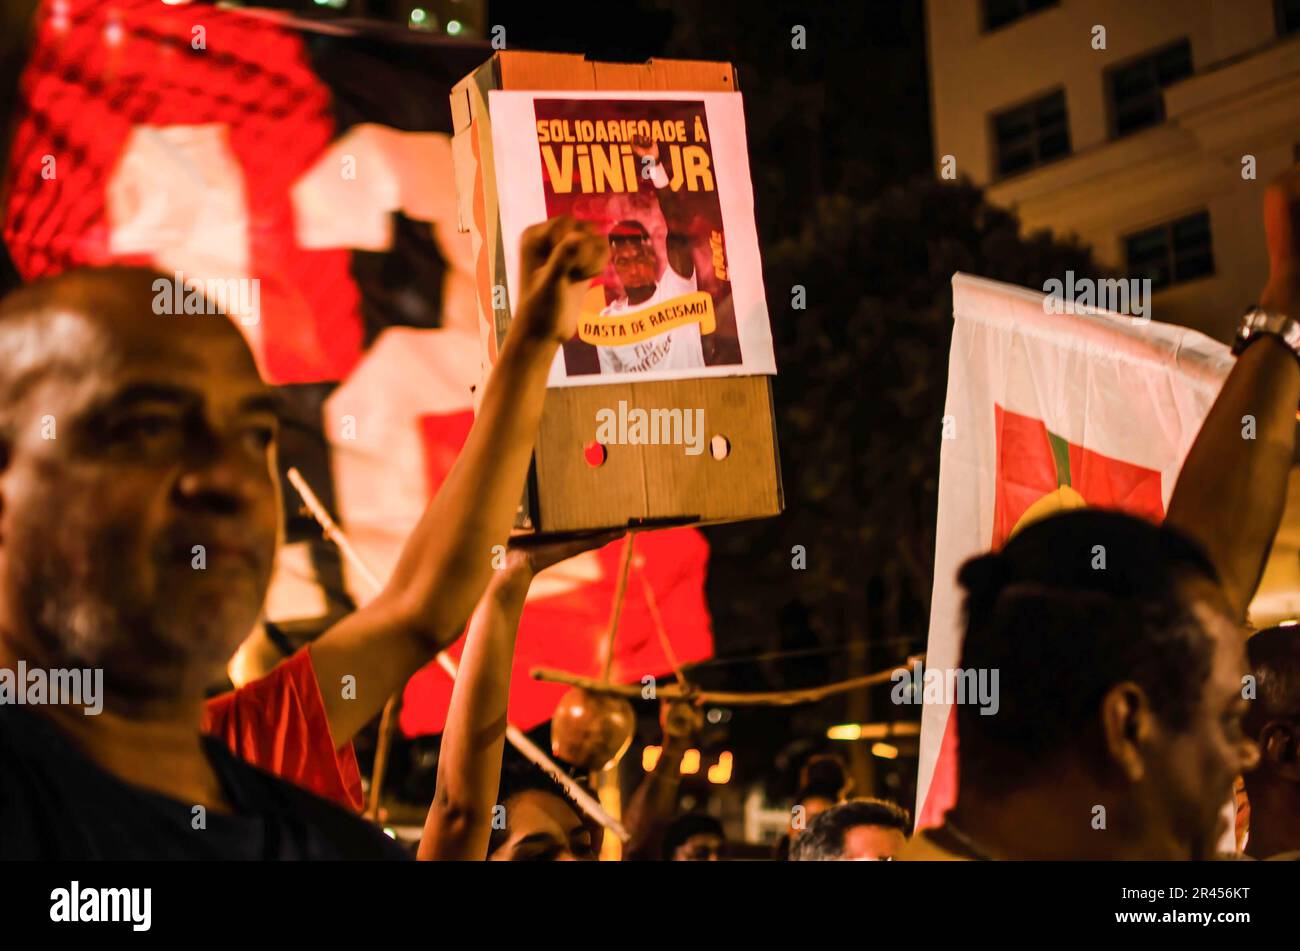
(516, 736)
(575, 789)
(619, 591)
(664, 642)
(331, 529)
(775, 698)
(382, 746)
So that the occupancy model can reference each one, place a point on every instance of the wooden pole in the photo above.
(775, 698)
(664, 643)
(611, 797)
(619, 591)
(382, 746)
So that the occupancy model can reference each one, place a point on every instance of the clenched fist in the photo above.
(558, 258)
(644, 147)
(680, 719)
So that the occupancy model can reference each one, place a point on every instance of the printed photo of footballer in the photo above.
(651, 190)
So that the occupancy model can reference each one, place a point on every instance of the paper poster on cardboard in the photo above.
(665, 178)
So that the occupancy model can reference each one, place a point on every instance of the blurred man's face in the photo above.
(872, 843)
(544, 828)
(140, 540)
(634, 260)
(701, 847)
(1193, 770)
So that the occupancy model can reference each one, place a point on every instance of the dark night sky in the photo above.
(849, 113)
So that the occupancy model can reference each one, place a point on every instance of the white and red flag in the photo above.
(1047, 411)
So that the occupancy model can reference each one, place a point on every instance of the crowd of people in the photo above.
(1132, 697)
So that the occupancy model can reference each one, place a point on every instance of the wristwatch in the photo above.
(1257, 322)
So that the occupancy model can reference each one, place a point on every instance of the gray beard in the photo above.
(62, 610)
(146, 649)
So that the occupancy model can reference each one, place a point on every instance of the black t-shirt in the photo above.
(57, 804)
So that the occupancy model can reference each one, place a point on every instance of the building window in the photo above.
(1288, 16)
(1173, 252)
(1032, 134)
(998, 13)
(1136, 89)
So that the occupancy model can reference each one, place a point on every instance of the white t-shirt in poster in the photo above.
(676, 349)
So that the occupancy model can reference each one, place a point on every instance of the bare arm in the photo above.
(447, 561)
(459, 823)
(1231, 492)
(654, 804)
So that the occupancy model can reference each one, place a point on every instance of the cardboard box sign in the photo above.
(624, 442)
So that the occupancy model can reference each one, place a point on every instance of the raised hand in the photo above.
(558, 259)
(526, 557)
(644, 147)
(680, 719)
